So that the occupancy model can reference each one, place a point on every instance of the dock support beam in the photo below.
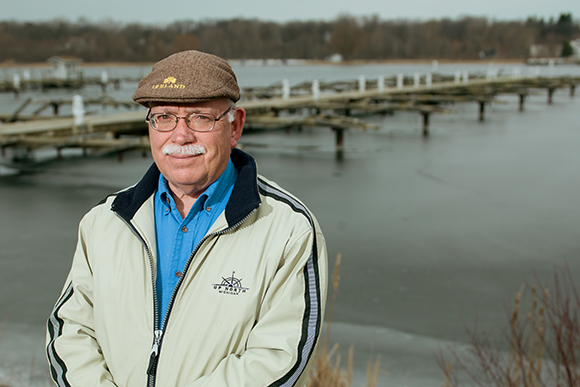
(522, 100)
(55, 107)
(339, 133)
(481, 111)
(425, 124)
(550, 95)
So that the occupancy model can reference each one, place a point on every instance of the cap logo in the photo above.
(169, 83)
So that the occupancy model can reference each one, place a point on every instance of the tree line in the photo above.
(364, 38)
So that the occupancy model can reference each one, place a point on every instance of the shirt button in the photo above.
(184, 229)
(178, 274)
(208, 209)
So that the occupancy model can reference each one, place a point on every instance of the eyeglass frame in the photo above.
(149, 121)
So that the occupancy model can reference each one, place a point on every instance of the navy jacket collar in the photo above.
(244, 199)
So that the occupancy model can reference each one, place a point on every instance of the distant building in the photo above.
(575, 44)
(335, 58)
(66, 67)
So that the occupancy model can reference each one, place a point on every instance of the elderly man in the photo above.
(202, 274)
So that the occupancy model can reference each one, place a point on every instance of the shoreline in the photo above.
(289, 62)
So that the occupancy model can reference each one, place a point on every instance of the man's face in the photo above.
(192, 174)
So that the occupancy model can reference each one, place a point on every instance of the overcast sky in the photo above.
(281, 11)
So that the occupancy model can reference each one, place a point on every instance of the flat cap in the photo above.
(188, 77)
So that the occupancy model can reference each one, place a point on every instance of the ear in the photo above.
(237, 126)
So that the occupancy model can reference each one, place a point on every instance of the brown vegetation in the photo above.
(366, 38)
(326, 370)
(543, 348)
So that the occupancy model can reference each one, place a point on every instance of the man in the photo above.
(202, 274)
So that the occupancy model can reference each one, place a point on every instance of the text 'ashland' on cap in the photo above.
(188, 77)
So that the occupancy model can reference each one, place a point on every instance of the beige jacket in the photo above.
(247, 310)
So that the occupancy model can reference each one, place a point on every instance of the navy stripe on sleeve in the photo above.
(312, 314)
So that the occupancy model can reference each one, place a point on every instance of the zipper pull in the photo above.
(154, 356)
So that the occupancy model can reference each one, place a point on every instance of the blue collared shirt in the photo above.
(177, 237)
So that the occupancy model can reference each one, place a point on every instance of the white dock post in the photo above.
(429, 80)
(78, 110)
(26, 75)
(362, 84)
(315, 90)
(104, 77)
(16, 81)
(457, 77)
(285, 89)
(465, 77)
(400, 81)
(381, 84)
(517, 73)
(551, 68)
(416, 80)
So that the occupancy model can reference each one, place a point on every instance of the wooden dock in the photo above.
(43, 84)
(339, 106)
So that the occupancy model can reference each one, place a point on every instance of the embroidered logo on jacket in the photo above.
(230, 285)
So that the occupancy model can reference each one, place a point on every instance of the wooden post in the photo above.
(285, 89)
(425, 124)
(55, 106)
(550, 95)
(481, 111)
(522, 100)
(339, 132)
(572, 89)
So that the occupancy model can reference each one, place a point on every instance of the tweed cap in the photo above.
(188, 77)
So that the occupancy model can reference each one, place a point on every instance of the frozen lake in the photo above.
(435, 234)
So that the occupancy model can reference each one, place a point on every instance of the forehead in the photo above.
(211, 104)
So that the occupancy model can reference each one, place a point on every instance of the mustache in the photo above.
(189, 149)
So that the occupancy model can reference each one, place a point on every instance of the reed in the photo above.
(326, 370)
(543, 344)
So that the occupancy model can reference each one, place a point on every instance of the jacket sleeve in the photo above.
(282, 343)
(74, 355)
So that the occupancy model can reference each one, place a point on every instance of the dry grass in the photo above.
(326, 370)
(543, 344)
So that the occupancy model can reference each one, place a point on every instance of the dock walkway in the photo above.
(324, 107)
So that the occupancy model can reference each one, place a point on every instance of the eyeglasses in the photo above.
(199, 122)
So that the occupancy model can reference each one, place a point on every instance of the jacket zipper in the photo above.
(158, 333)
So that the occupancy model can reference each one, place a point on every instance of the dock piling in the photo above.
(481, 111)
(381, 84)
(400, 81)
(315, 90)
(425, 123)
(339, 134)
(550, 95)
(362, 83)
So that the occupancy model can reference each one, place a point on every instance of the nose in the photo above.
(182, 134)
